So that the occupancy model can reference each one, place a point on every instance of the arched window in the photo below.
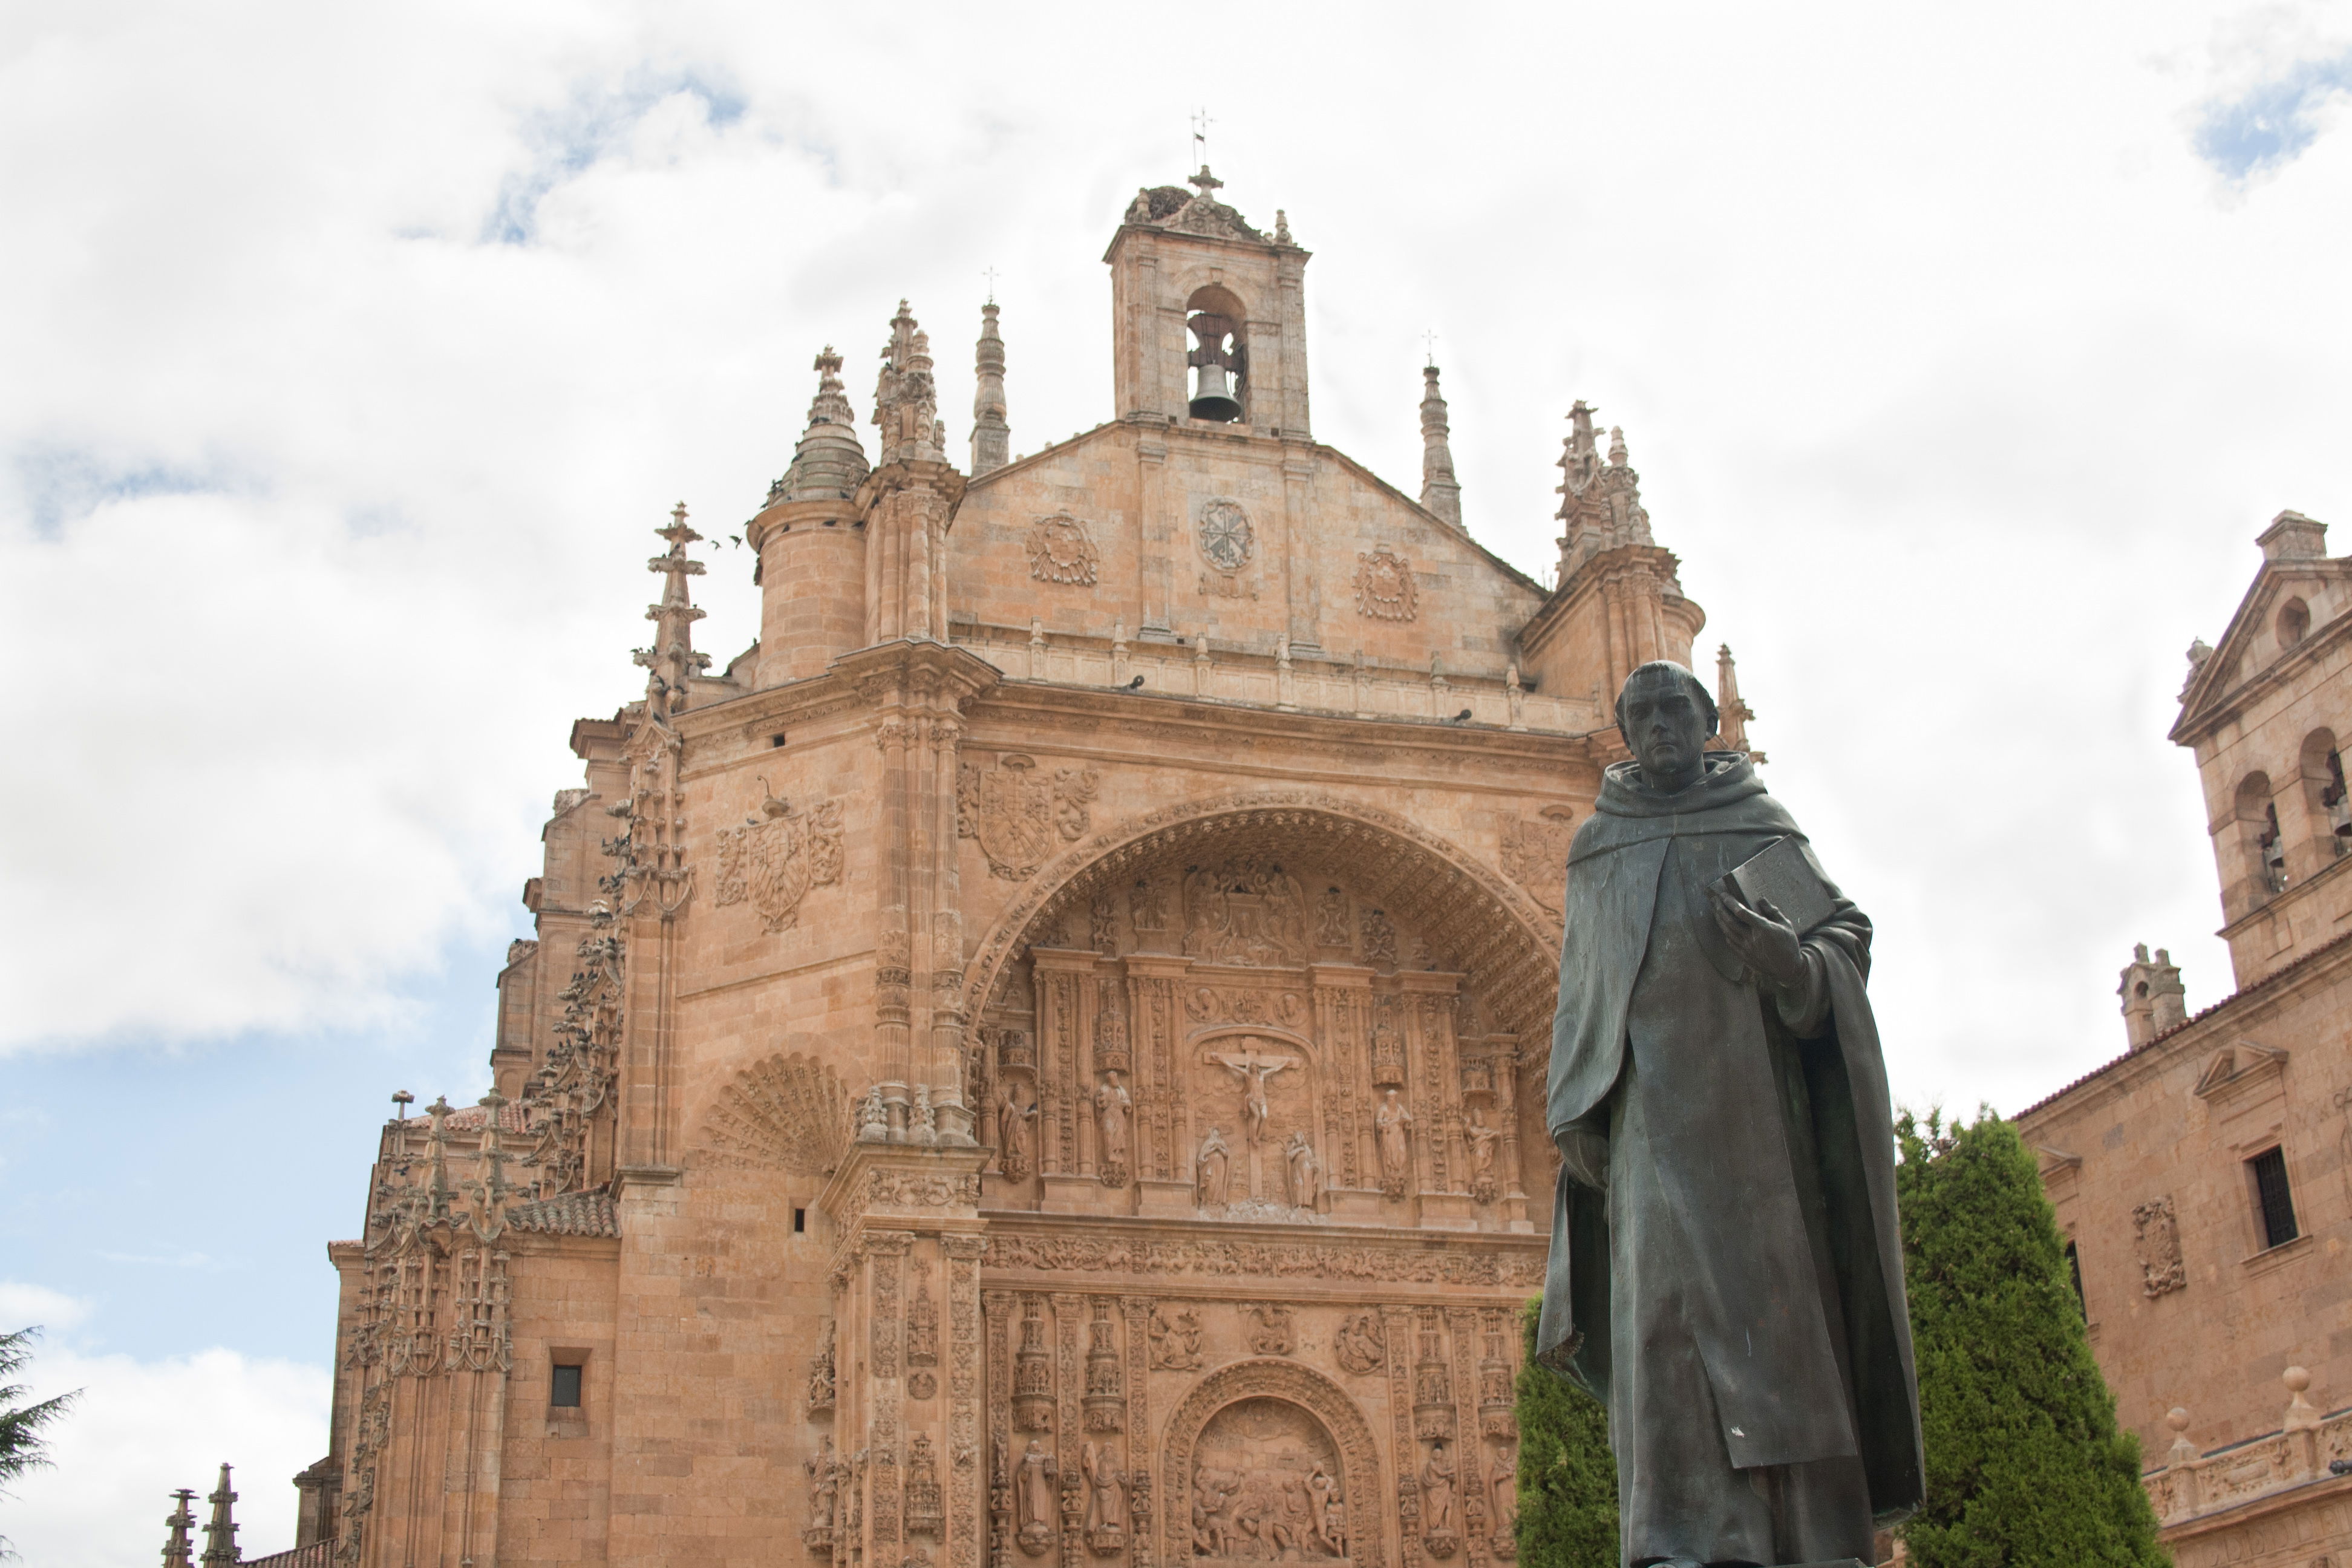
(2293, 621)
(1216, 356)
(2258, 828)
(2322, 785)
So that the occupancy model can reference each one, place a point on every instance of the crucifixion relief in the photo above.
(1253, 1069)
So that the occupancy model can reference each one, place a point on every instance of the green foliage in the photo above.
(20, 1425)
(2025, 1465)
(1567, 1478)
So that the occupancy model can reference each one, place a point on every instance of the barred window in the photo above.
(2275, 1203)
(563, 1390)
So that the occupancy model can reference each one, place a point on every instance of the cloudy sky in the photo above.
(349, 354)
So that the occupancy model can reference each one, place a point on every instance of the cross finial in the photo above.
(1429, 342)
(990, 273)
(1201, 124)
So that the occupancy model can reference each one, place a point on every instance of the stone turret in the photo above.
(220, 1531)
(992, 438)
(1439, 491)
(2154, 1000)
(812, 543)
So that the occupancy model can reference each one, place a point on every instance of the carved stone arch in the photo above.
(787, 1113)
(1273, 1378)
(1509, 944)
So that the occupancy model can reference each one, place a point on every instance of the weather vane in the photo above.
(1201, 124)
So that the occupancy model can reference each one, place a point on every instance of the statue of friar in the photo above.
(1726, 1272)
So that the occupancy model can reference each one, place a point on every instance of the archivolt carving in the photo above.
(1511, 941)
(786, 1113)
(1299, 1385)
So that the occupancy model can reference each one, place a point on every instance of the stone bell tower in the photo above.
(1209, 315)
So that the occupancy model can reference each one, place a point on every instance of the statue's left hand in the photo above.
(1762, 937)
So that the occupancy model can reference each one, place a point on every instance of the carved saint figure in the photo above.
(1211, 1168)
(1720, 1102)
(1253, 1069)
(825, 1485)
(1035, 1491)
(1390, 1128)
(1212, 1532)
(1437, 1492)
(1105, 1512)
(1112, 1106)
(1332, 1513)
(1305, 1175)
(1483, 1140)
(1013, 1120)
(1504, 1484)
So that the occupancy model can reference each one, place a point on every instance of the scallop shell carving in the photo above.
(786, 1113)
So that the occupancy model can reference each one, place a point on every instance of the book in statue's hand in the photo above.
(1783, 875)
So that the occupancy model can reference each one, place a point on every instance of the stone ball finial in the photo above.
(2177, 1418)
(2296, 1379)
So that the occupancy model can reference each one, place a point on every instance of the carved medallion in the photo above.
(773, 859)
(1226, 535)
(1062, 550)
(1384, 586)
(1016, 812)
(1360, 1344)
(1272, 1332)
(1535, 852)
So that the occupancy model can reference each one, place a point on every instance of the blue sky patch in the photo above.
(56, 485)
(567, 140)
(2269, 125)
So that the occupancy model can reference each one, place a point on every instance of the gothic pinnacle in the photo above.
(991, 436)
(1439, 492)
(220, 1531)
(180, 1520)
(906, 400)
(672, 661)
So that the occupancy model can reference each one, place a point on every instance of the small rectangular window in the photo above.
(799, 1221)
(2074, 1271)
(2271, 1197)
(563, 1392)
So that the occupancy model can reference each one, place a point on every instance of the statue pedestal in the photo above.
(1158, 1196)
(1448, 1211)
(1354, 1205)
(1062, 1193)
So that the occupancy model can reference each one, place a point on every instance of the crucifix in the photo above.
(1201, 124)
(1253, 1069)
(990, 273)
(1429, 340)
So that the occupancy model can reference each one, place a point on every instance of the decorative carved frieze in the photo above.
(1246, 1005)
(1454, 1266)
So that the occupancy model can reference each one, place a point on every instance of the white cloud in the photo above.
(142, 1430)
(350, 394)
(28, 1306)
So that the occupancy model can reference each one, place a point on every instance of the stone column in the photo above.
(1155, 983)
(1343, 996)
(1065, 982)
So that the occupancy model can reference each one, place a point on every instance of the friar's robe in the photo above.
(1736, 1295)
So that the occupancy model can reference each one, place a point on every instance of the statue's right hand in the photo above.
(1584, 1155)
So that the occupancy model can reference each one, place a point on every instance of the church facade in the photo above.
(1037, 1063)
(2204, 1179)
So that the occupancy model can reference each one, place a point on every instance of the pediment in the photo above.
(2237, 1068)
(2056, 1163)
(2248, 645)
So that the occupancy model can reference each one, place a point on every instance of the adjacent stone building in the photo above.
(2204, 1178)
(1037, 1062)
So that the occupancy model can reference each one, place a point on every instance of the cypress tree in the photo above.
(2026, 1467)
(1567, 1478)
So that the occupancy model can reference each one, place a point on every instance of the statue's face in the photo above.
(1665, 727)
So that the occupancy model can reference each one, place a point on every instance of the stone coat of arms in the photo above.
(1062, 551)
(1535, 852)
(1016, 812)
(773, 859)
(1384, 586)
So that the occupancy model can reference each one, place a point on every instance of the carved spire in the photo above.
(672, 661)
(220, 1532)
(829, 462)
(992, 438)
(1731, 712)
(906, 398)
(1439, 491)
(181, 1520)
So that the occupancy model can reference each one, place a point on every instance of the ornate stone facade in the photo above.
(2204, 1179)
(1039, 1061)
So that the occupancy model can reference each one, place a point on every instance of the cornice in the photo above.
(2207, 704)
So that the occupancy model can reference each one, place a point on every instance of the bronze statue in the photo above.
(1741, 1274)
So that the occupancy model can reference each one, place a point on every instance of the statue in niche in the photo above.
(1212, 1168)
(1013, 1120)
(825, 1490)
(1175, 1342)
(1106, 1513)
(1253, 1069)
(1504, 1484)
(1113, 1107)
(1360, 1345)
(1437, 1491)
(1482, 1138)
(1147, 905)
(1305, 1175)
(1036, 1493)
(1720, 1102)
(1390, 1128)
(1331, 919)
